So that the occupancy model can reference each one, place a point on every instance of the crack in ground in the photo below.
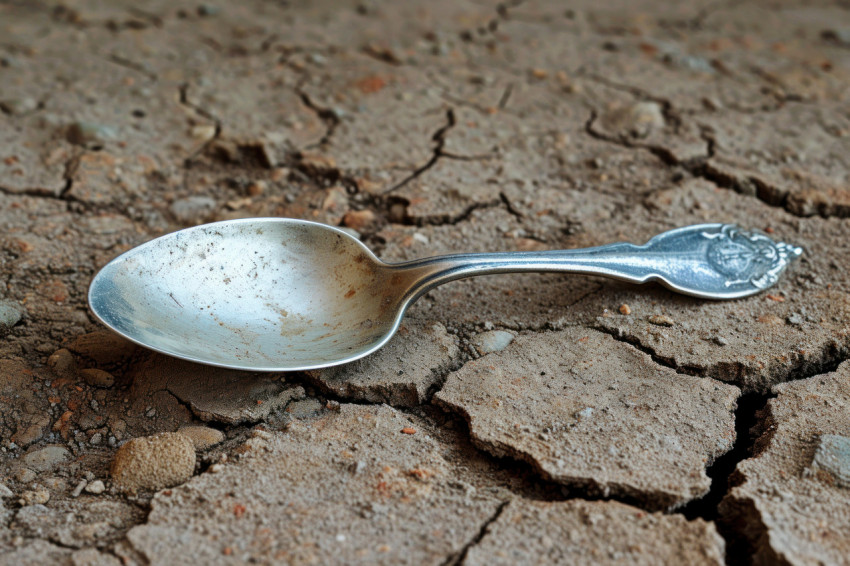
(186, 405)
(67, 176)
(439, 138)
(184, 100)
(328, 117)
(661, 152)
(132, 65)
(459, 557)
(749, 422)
(700, 166)
(831, 356)
(34, 193)
(452, 220)
(620, 336)
(722, 469)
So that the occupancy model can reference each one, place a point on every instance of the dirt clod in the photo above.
(153, 462)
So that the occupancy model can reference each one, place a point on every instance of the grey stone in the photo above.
(46, 458)
(10, 314)
(193, 209)
(832, 457)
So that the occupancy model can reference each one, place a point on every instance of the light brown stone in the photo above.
(154, 462)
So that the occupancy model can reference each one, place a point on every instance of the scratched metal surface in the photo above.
(256, 294)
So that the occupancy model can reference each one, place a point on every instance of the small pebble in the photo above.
(18, 106)
(208, 10)
(25, 475)
(62, 360)
(637, 120)
(721, 341)
(79, 488)
(202, 437)
(10, 314)
(5, 492)
(832, 457)
(44, 459)
(625, 309)
(257, 188)
(97, 377)
(661, 320)
(96, 487)
(90, 133)
(841, 36)
(203, 132)
(585, 413)
(360, 220)
(37, 497)
(492, 341)
(192, 209)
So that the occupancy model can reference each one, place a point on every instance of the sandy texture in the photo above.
(427, 128)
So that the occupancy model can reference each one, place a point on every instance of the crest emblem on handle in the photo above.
(746, 257)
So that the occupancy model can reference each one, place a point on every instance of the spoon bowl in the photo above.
(276, 294)
(259, 294)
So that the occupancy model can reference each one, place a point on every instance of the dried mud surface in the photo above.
(532, 418)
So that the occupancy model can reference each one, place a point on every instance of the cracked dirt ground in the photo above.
(514, 419)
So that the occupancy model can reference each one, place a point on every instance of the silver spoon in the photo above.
(275, 294)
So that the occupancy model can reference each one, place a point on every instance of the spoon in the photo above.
(278, 294)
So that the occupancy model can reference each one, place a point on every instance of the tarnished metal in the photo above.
(276, 294)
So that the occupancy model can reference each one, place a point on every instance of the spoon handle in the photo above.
(713, 261)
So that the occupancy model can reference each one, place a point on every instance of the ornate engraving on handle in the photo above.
(748, 257)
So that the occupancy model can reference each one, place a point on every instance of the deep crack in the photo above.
(720, 471)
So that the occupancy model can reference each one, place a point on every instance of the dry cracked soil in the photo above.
(514, 419)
